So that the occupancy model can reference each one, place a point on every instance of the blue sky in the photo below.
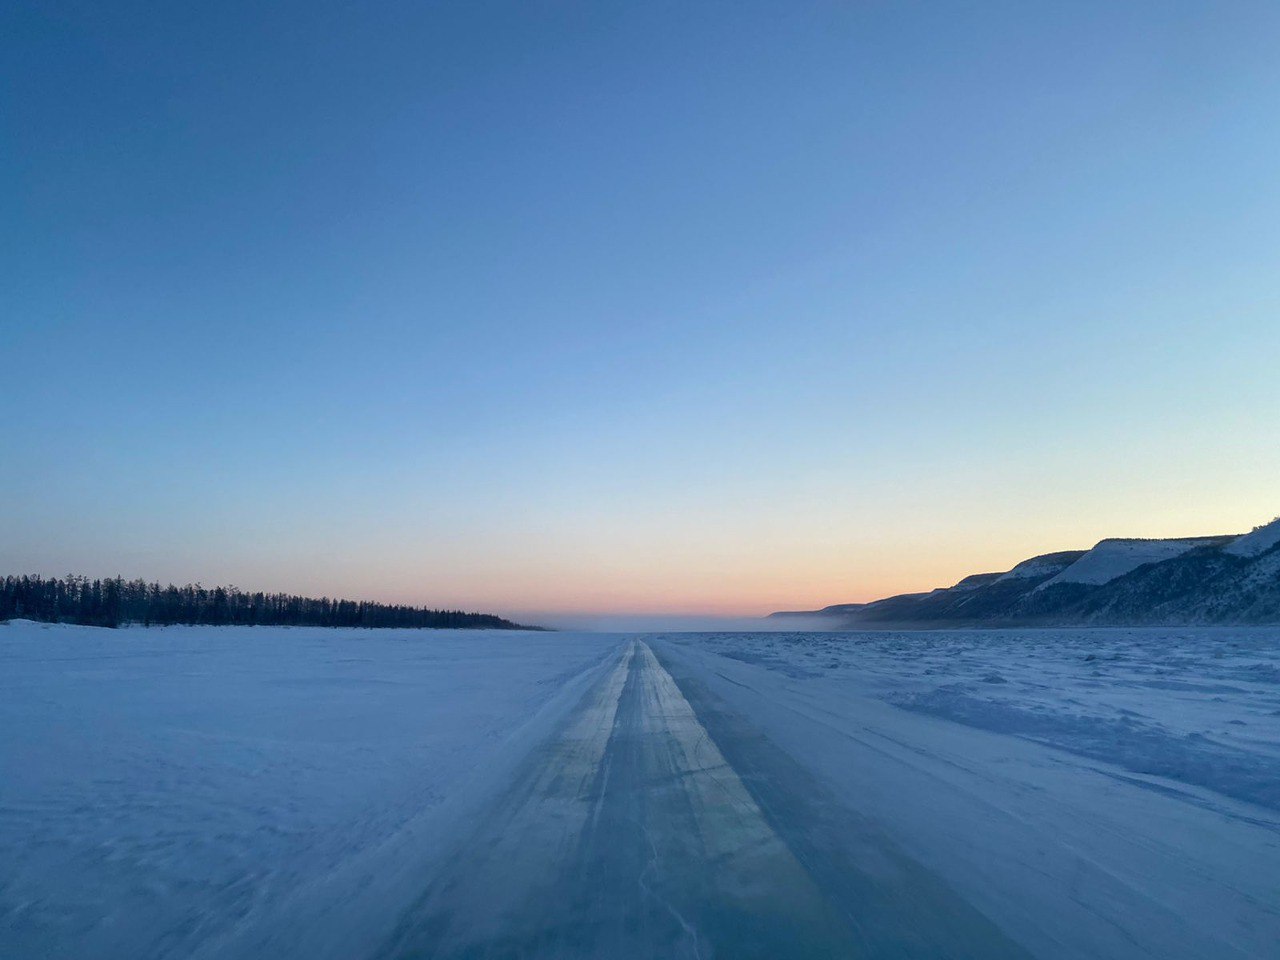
(655, 307)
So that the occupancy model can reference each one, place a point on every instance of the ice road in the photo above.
(631, 835)
(331, 795)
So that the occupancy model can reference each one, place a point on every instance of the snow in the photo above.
(275, 792)
(631, 832)
(1101, 793)
(973, 582)
(1114, 558)
(1035, 567)
(1259, 541)
(1200, 706)
(177, 787)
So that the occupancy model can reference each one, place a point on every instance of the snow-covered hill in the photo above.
(1216, 579)
(1046, 565)
(1259, 541)
(1114, 558)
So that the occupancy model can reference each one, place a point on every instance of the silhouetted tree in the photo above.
(108, 603)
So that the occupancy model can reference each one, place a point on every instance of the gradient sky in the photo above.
(645, 307)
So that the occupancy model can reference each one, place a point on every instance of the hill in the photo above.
(1215, 579)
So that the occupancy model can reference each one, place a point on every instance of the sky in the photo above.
(576, 309)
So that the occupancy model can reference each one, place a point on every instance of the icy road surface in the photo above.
(359, 794)
(631, 835)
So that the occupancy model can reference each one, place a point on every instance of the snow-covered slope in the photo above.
(1218, 579)
(1259, 541)
(1114, 558)
(1043, 566)
(975, 581)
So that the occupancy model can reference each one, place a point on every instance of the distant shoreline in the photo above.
(115, 601)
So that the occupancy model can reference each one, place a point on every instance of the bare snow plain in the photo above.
(164, 791)
(276, 792)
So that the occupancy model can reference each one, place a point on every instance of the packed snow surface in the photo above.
(1114, 558)
(272, 792)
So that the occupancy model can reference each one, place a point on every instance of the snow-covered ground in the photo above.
(1099, 793)
(263, 792)
(1199, 707)
(163, 790)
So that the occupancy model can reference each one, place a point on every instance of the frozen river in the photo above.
(310, 793)
(631, 835)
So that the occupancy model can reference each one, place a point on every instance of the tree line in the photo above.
(111, 602)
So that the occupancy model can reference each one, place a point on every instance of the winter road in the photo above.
(193, 793)
(655, 825)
